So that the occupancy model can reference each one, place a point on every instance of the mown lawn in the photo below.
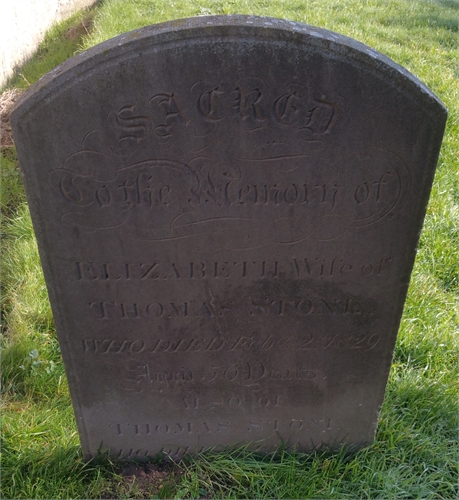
(415, 454)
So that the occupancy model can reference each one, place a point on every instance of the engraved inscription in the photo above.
(139, 183)
(152, 429)
(284, 427)
(253, 101)
(159, 346)
(143, 454)
(364, 341)
(162, 200)
(203, 427)
(141, 374)
(271, 401)
(305, 307)
(260, 306)
(298, 268)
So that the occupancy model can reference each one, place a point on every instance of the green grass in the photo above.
(415, 451)
(12, 195)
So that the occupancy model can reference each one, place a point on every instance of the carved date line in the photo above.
(366, 341)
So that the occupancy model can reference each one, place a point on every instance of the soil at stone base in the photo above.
(146, 480)
(7, 100)
(79, 30)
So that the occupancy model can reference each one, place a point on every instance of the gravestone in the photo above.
(227, 211)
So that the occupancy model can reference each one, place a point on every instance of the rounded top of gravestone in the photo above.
(215, 29)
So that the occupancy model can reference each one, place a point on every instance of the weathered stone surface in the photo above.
(227, 211)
